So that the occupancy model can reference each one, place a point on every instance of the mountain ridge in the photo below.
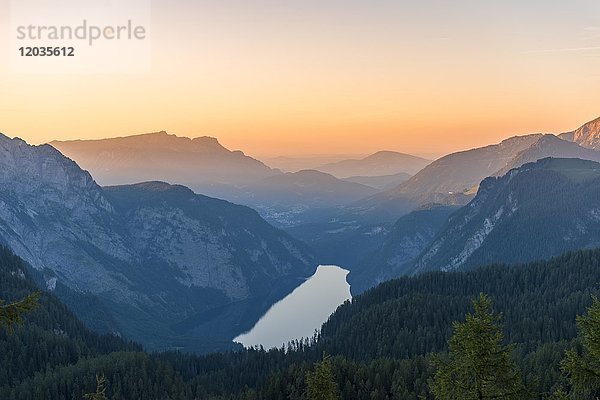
(588, 135)
(550, 146)
(201, 163)
(381, 163)
(490, 158)
(453, 179)
(154, 254)
(535, 211)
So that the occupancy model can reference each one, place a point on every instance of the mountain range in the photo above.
(410, 247)
(158, 257)
(161, 264)
(378, 164)
(158, 263)
(536, 211)
(459, 172)
(454, 179)
(289, 198)
(382, 182)
(384, 341)
(301, 162)
(208, 168)
(549, 146)
(201, 164)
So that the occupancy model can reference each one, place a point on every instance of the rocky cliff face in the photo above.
(153, 254)
(47, 204)
(410, 235)
(536, 211)
(587, 135)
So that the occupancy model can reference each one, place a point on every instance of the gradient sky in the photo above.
(316, 77)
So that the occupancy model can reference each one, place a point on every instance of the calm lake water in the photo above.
(302, 311)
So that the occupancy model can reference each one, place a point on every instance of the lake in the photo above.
(302, 311)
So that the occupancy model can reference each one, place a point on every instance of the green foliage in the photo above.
(50, 336)
(479, 366)
(380, 343)
(559, 394)
(414, 315)
(12, 314)
(100, 393)
(321, 383)
(583, 368)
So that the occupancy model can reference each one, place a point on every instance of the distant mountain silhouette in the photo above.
(208, 168)
(459, 172)
(202, 164)
(294, 198)
(550, 146)
(309, 187)
(299, 163)
(378, 164)
(380, 182)
(454, 179)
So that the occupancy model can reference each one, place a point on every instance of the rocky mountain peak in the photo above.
(588, 135)
(207, 141)
(156, 252)
(519, 141)
(33, 170)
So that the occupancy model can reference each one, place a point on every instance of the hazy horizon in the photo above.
(292, 154)
(350, 77)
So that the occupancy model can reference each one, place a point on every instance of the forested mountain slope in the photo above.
(51, 337)
(536, 211)
(380, 342)
(409, 236)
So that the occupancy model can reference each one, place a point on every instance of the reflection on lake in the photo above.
(302, 311)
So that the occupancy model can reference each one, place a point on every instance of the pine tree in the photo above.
(583, 369)
(478, 365)
(12, 314)
(559, 394)
(100, 393)
(320, 383)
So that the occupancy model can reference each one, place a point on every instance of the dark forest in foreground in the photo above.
(381, 343)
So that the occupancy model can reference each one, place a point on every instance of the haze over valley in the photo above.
(153, 255)
(309, 200)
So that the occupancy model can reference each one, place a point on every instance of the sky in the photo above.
(325, 77)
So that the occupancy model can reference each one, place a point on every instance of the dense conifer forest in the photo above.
(385, 344)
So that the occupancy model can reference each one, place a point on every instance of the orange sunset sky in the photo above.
(323, 77)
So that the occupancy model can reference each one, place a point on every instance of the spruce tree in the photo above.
(478, 365)
(320, 383)
(583, 369)
(559, 394)
(12, 314)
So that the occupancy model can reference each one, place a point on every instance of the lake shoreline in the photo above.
(302, 312)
